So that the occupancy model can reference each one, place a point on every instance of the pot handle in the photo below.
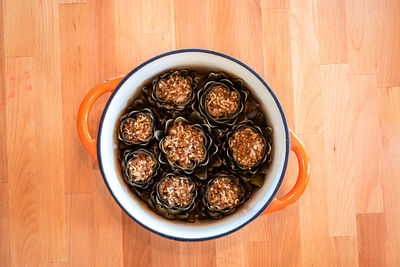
(302, 180)
(84, 111)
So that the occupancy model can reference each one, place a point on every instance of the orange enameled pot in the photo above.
(103, 148)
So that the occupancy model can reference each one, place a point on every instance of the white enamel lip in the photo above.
(203, 230)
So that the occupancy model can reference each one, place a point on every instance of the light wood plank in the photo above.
(48, 118)
(107, 224)
(285, 237)
(190, 24)
(247, 46)
(3, 103)
(102, 54)
(392, 248)
(81, 231)
(68, 213)
(53, 52)
(390, 123)
(361, 41)
(132, 44)
(277, 57)
(344, 251)
(365, 96)
(332, 31)
(5, 258)
(308, 101)
(164, 252)
(56, 264)
(256, 254)
(387, 29)
(72, 1)
(156, 16)
(339, 150)
(275, 4)
(23, 174)
(314, 222)
(230, 250)
(74, 63)
(136, 239)
(370, 236)
(19, 31)
(198, 254)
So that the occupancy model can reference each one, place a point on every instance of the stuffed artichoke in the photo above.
(186, 146)
(169, 139)
(139, 167)
(221, 101)
(173, 90)
(137, 127)
(223, 195)
(247, 150)
(174, 196)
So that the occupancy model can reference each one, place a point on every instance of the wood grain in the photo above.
(81, 231)
(332, 31)
(307, 88)
(370, 236)
(277, 57)
(190, 22)
(339, 152)
(334, 66)
(107, 224)
(390, 123)
(3, 102)
(361, 39)
(387, 32)
(74, 52)
(23, 174)
(19, 29)
(47, 99)
(314, 221)
(4, 226)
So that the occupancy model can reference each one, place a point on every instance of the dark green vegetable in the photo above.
(209, 107)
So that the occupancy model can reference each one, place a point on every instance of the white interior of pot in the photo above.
(138, 209)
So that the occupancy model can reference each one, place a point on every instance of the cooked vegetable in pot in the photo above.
(195, 145)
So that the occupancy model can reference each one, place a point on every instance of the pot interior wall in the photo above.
(137, 209)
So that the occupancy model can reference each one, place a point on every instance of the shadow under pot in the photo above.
(137, 127)
(223, 195)
(139, 168)
(174, 196)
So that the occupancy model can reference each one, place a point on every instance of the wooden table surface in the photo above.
(334, 65)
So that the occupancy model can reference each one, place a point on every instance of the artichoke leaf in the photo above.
(257, 180)
(201, 172)
(215, 161)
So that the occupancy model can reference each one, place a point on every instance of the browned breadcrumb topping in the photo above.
(137, 129)
(222, 102)
(247, 146)
(175, 89)
(184, 144)
(224, 193)
(141, 167)
(176, 191)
